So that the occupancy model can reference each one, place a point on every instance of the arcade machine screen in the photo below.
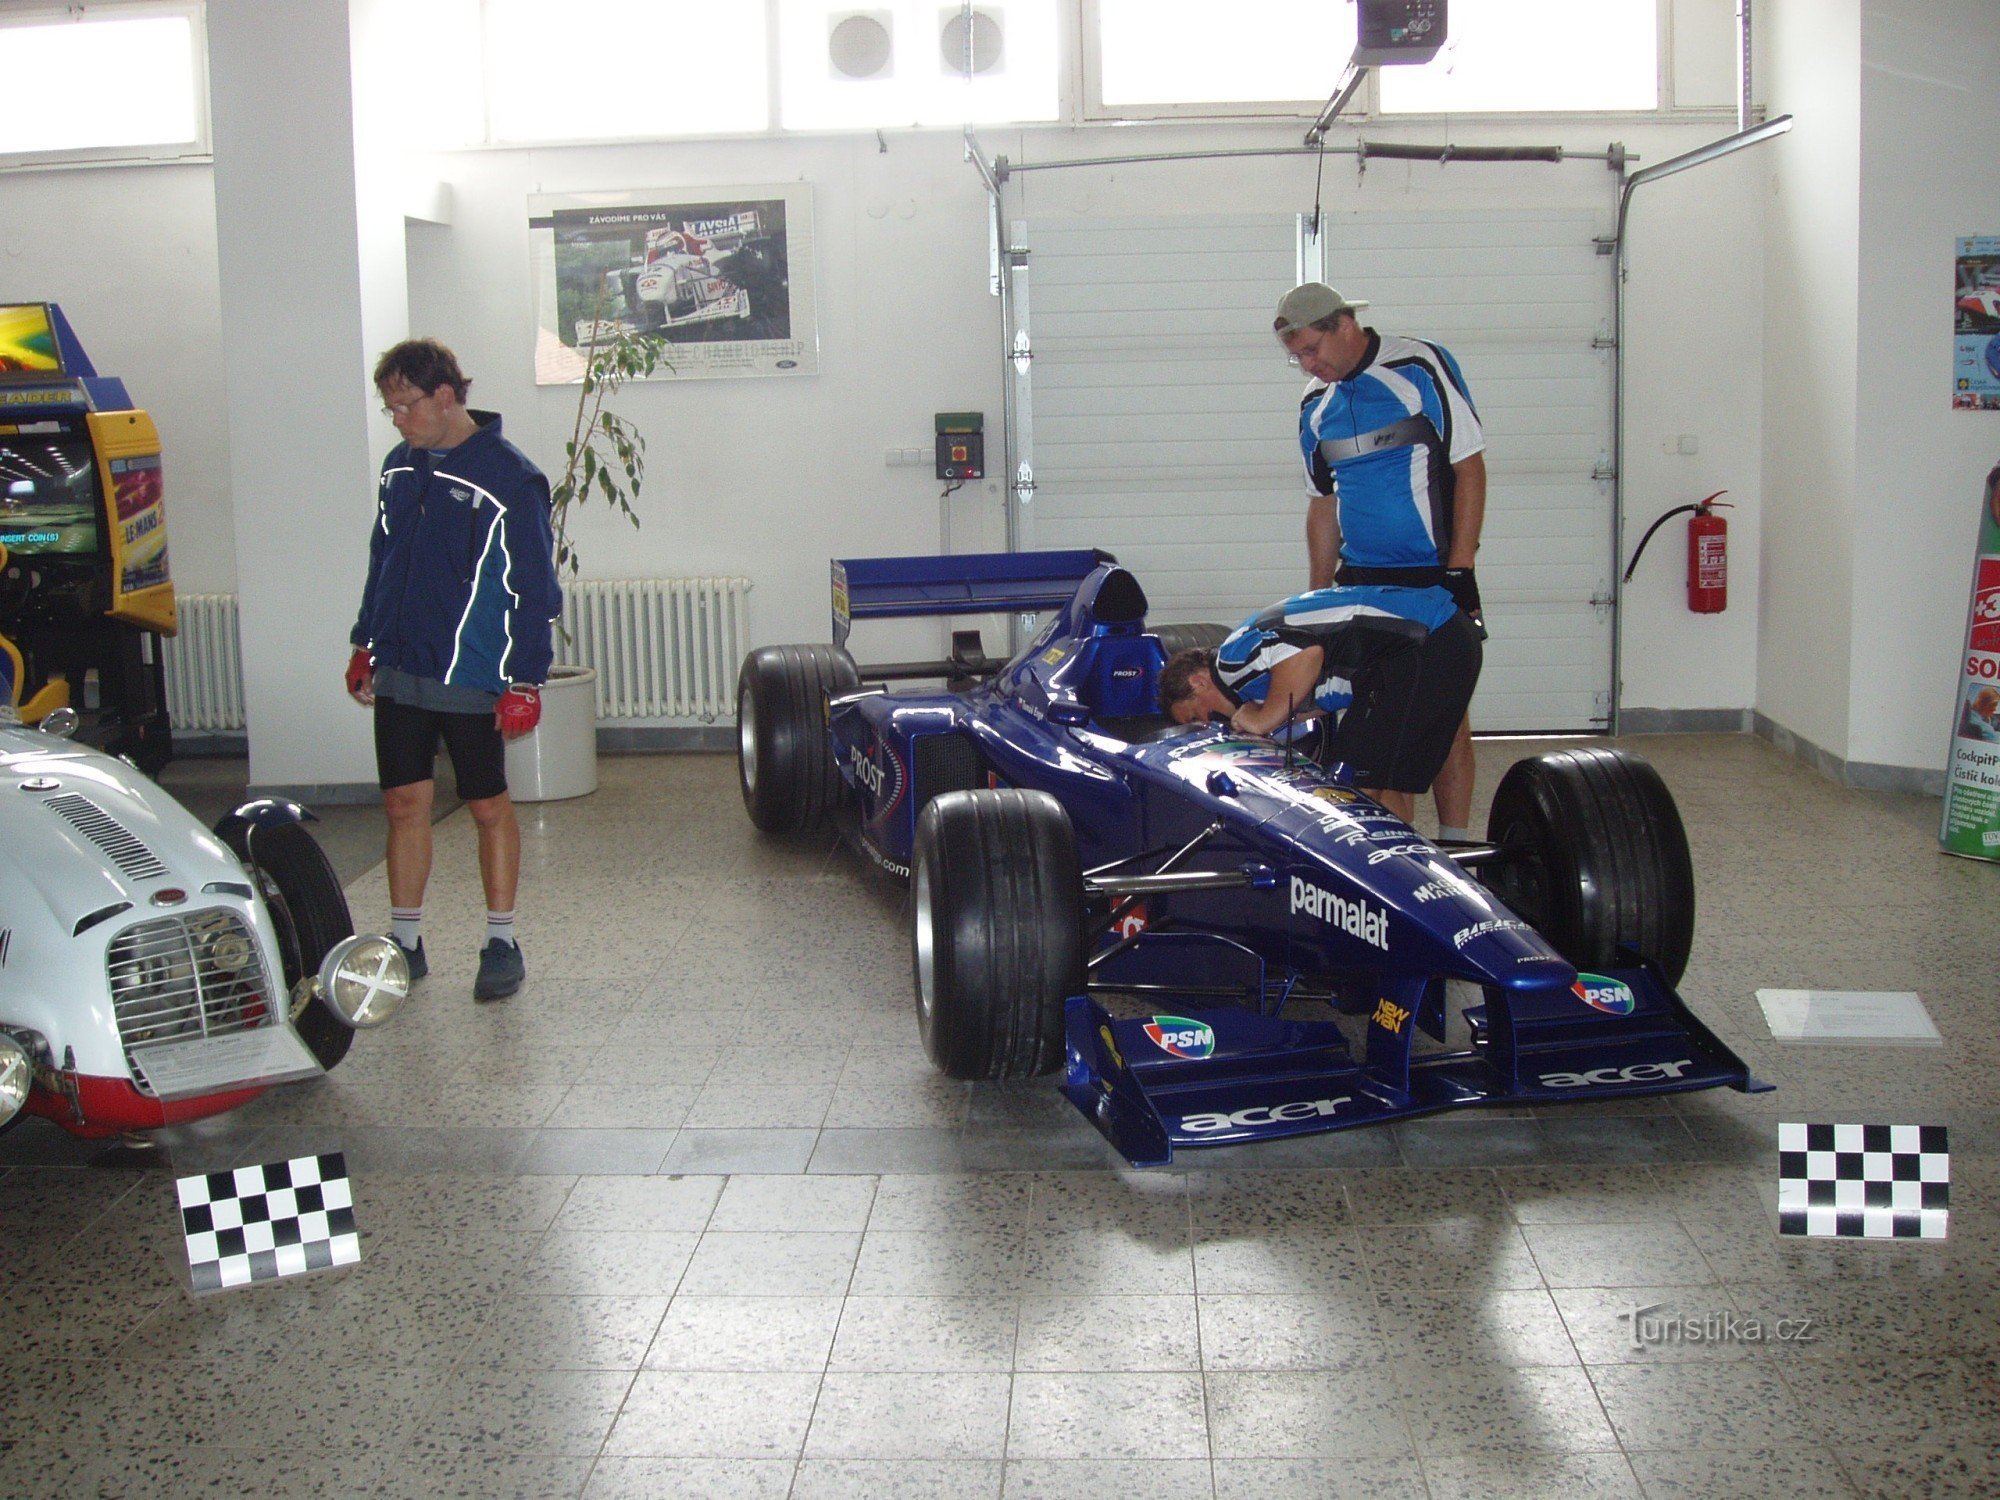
(28, 341)
(49, 499)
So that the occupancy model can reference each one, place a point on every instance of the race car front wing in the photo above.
(1224, 1076)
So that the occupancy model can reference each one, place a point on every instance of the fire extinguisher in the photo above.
(1708, 553)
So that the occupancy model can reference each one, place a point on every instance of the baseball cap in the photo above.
(1309, 304)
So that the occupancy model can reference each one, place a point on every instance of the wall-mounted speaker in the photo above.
(860, 44)
(970, 41)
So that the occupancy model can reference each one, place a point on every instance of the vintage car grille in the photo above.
(117, 841)
(196, 974)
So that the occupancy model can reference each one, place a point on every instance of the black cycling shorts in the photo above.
(406, 746)
(1407, 708)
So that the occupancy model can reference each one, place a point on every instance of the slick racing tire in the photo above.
(310, 911)
(1177, 638)
(997, 934)
(784, 757)
(1596, 858)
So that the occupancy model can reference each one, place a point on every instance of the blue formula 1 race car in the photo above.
(1214, 937)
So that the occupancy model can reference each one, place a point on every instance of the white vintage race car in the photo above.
(153, 972)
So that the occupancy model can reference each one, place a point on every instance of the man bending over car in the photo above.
(1391, 670)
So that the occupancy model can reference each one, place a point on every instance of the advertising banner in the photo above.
(1971, 825)
(723, 275)
(1975, 324)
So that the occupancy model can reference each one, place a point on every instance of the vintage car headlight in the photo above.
(363, 980)
(17, 1076)
(59, 722)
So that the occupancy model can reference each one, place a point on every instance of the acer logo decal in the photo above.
(1636, 1073)
(1262, 1115)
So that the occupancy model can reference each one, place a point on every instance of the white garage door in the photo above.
(1160, 418)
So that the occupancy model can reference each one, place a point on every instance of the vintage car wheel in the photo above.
(1175, 638)
(997, 933)
(306, 901)
(1597, 858)
(783, 756)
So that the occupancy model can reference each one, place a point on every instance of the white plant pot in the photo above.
(559, 760)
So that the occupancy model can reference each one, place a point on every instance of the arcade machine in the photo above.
(85, 593)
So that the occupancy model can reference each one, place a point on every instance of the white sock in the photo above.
(1454, 835)
(500, 927)
(405, 925)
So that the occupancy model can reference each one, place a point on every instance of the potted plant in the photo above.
(606, 456)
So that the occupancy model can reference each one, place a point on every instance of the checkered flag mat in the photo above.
(1874, 1182)
(260, 1223)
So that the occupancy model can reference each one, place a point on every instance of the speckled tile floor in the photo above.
(692, 1216)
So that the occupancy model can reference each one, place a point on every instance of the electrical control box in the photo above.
(1398, 31)
(961, 445)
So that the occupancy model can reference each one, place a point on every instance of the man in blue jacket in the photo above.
(1389, 670)
(453, 639)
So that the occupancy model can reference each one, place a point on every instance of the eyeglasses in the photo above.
(404, 408)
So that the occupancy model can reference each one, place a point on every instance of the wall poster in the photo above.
(724, 275)
(1975, 323)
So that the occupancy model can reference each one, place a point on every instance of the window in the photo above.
(104, 83)
(1198, 52)
(614, 69)
(1197, 57)
(1532, 56)
(848, 64)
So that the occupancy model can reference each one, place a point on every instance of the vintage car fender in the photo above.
(93, 856)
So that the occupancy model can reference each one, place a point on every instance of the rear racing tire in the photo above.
(997, 935)
(784, 757)
(1596, 858)
(1177, 638)
(309, 908)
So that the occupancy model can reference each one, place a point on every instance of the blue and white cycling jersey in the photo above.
(1354, 626)
(1382, 442)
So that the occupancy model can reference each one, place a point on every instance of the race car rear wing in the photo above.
(966, 583)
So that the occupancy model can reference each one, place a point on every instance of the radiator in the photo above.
(204, 664)
(663, 648)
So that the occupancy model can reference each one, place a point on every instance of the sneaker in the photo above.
(501, 970)
(414, 957)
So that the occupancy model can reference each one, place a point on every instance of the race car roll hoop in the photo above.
(1214, 938)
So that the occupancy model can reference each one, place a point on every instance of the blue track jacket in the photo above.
(461, 565)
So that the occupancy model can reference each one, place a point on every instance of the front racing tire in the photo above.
(997, 935)
(1596, 858)
(784, 755)
(306, 902)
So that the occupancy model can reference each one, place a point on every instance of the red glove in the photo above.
(518, 711)
(361, 676)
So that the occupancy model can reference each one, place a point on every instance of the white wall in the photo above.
(1810, 333)
(294, 338)
(1694, 312)
(770, 478)
(1930, 173)
(129, 254)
